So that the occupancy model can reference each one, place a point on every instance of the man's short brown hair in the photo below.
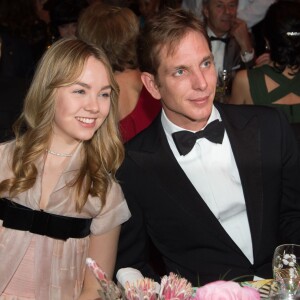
(165, 29)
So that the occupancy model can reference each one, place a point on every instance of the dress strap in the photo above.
(258, 88)
(285, 85)
(19, 217)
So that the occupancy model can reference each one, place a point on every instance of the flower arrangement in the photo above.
(172, 287)
(108, 289)
(141, 289)
(226, 290)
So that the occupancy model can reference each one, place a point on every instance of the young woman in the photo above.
(60, 201)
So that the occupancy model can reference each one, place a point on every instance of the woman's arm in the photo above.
(240, 92)
(103, 249)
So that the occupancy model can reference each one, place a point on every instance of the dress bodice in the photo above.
(262, 96)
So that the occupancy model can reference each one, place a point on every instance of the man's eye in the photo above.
(179, 72)
(206, 64)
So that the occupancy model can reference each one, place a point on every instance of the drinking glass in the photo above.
(223, 85)
(286, 270)
(284, 289)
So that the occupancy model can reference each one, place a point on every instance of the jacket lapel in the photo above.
(231, 56)
(244, 136)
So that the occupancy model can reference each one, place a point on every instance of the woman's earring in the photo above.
(267, 46)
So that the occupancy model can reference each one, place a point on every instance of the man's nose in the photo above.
(199, 80)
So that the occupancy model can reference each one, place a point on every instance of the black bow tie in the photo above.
(185, 140)
(214, 38)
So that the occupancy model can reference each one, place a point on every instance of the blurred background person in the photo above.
(13, 91)
(42, 13)
(24, 37)
(250, 11)
(169, 3)
(115, 29)
(231, 42)
(278, 82)
(64, 16)
(194, 6)
(146, 9)
(22, 41)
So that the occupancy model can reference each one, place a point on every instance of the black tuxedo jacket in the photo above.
(167, 210)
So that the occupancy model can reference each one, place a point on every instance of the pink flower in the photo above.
(226, 290)
(142, 289)
(174, 287)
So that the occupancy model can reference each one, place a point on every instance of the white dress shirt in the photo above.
(212, 170)
(218, 51)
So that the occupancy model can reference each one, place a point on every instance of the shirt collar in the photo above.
(170, 127)
(210, 33)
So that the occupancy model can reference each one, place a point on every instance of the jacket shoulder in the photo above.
(250, 110)
(146, 138)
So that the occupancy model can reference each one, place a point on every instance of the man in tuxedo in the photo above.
(231, 42)
(251, 11)
(214, 187)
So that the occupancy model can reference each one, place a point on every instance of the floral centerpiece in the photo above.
(172, 287)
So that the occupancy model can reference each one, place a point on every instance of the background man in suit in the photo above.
(215, 206)
(231, 42)
(251, 11)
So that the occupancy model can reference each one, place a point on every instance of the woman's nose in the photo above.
(92, 104)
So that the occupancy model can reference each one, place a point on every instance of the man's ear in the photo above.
(150, 84)
(205, 11)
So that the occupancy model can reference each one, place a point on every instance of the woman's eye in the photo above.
(105, 95)
(79, 92)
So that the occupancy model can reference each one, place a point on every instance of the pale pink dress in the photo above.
(23, 281)
(42, 268)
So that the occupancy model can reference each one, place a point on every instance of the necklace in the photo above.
(59, 154)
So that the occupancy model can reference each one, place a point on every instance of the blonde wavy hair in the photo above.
(101, 156)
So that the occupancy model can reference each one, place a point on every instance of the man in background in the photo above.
(251, 11)
(231, 42)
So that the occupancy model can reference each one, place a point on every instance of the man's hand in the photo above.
(240, 32)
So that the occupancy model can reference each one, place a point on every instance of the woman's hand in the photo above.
(263, 59)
